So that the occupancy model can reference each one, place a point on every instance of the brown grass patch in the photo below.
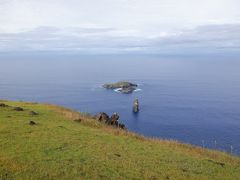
(11, 165)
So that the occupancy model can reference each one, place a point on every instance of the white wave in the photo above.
(136, 90)
(118, 89)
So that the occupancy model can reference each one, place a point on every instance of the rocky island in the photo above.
(122, 86)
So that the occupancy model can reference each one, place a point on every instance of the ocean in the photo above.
(192, 99)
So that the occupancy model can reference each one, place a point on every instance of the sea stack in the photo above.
(135, 106)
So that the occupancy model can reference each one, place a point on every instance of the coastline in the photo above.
(75, 115)
(56, 142)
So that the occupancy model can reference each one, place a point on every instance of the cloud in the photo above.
(70, 39)
(203, 38)
(143, 16)
(213, 36)
(119, 25)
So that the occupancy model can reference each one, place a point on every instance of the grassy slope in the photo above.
(59, 148)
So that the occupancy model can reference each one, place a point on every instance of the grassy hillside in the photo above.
(57, 147)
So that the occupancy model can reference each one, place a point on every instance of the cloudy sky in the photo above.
(119, 25)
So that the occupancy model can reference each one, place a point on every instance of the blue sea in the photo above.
(192, 99)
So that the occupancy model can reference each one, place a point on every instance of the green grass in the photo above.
(60, 148)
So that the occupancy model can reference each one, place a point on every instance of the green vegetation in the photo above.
(120, 84)
(57, 147)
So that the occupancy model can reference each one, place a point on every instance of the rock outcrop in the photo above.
(112, 121)
(102, 117)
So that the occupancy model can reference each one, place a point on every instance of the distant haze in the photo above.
(120, 25)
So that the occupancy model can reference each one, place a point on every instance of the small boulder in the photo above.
(33, 113)
(121, 126)
(18, 109)
(32, 123)
(3, 105)
(78, 120)
(118, 155)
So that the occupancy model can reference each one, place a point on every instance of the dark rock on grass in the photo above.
(118, 155)
(33, 113)
(18, 109)
(112, 121)
(3, 105)
(32, 123)
(102, 117)
(78, 120)
(121, 126)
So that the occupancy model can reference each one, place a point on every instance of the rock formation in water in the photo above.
(135, 106)
(122, 86)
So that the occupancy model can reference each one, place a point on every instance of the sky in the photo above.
(120, 25)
